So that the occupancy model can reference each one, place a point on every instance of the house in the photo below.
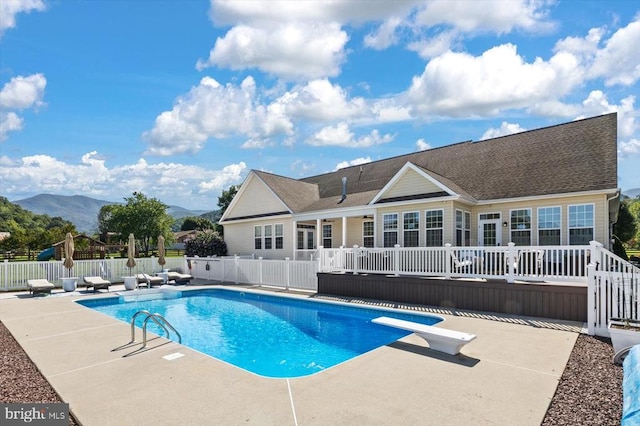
(180, 237)
(551, 186)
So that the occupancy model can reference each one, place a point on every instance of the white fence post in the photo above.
(321, 256)
(592, 299)
(396, 260)
(6, 274)
(287, 264)
(595, 256)
(356, 259)
(447, 261)
(511, 262)
(260, 269)
(237, 263)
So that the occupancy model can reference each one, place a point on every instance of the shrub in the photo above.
(208, 243)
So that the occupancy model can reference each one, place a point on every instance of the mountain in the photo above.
(83, 211)
(632, 193)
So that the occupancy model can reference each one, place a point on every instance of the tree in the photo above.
(226, 197)
(104, 221)
(196, 222)
(626, 227)
(146, 218)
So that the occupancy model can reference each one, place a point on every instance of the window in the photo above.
(463, 228)
(390, 229)
(257, 237)
(268, 237)
(549, 226)
(279, 235)
(367, 234)
(434, 227)
(300, 240)
(311, 241)
(327, 234)
(411, 225)
(521, 227)
(581, 224)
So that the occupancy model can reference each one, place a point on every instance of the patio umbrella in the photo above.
(131, 252)
(161, 259)
(68, 252)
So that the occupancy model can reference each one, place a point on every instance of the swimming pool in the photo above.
(271, 336)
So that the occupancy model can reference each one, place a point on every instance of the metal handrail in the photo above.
(158, 319)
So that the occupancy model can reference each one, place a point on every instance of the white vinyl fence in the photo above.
(289, 274)
(14, 275)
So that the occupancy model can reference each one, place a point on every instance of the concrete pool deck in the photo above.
(507, 375)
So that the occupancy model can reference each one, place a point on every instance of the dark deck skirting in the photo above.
(535, 300)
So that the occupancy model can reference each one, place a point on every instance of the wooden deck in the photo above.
(545, 300)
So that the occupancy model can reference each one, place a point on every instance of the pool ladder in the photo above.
(158, 319)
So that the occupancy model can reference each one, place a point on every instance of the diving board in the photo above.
(439, 339)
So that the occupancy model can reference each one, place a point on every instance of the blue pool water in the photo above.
(268, 335)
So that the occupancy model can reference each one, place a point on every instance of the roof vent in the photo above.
(344, 189)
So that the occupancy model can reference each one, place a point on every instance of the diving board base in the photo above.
(439, 339)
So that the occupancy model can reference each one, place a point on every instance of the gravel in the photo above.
(589, 391)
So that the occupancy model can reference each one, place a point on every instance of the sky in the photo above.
(180, 99)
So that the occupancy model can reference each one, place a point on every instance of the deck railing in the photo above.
(529, 263)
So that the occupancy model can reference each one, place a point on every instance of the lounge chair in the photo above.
(148, 280)
(97, 283)
(39, 286)
(460, 264)
(178, 277)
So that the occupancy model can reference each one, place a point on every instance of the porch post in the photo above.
(319, 233)
(344, 231)
(294, 239)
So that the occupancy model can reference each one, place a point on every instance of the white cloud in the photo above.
(384, 36)
(619, 61)
(23, 92)
(486, 15)
(10, 8)
(459, 84)
(356, 162)
(212, 110)
(630, 147)
(293, 51)
(422, 145)
(438, 44)
(9, 122)
(174, 183)
(319, 100)
(504, 129)
(341, 135)
(19, 93)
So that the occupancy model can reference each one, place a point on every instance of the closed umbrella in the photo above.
(131, 252)
(68, 252)
(161, 259)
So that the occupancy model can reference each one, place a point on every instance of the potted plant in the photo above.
(624, 332)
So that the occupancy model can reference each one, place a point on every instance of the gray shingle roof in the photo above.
(565, 158)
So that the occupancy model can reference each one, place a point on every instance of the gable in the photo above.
(411, 183)
(255, 198)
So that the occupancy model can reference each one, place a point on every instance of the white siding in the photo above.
(411, 183)
(256, 199)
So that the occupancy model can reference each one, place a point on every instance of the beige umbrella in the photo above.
(161, 259)
(131, 252)
(68, 252)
